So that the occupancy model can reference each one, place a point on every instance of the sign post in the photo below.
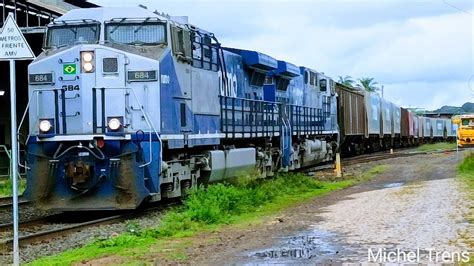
(13, 46)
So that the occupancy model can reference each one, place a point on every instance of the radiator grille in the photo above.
(110, 65)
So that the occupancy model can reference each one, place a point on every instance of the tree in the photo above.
(347, 81)
(368, 84)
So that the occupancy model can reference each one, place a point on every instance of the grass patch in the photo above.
(437, 146)
(6, 187)
(372, 172)
(205, 209)
(466, 173)
(466, 169)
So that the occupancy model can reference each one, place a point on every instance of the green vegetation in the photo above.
(437, 146)
(368, 84)
(206, 209)
(347, 81)
(6, 187)
(378, 169)
(466, 173)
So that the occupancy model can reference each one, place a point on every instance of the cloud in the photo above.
(431, 49)
(428, 95)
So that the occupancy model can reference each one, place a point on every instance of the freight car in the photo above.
(369, 123)
(127, 106)
(408, 127)
(353, 123)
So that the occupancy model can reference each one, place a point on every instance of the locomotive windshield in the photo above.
(70, 34)
(142, 33)
(468, 122)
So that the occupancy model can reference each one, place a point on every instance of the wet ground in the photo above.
(416, 206)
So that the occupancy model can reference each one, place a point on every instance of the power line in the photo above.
(458, 8)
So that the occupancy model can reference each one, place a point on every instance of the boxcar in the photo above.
(421, 128)
(387, 118)
(352, 118)
(396, 125)
(407, 127)
(350, 104)
(404, 123)
(438, 128)
(427, 130)
(449, 129)
(373, 107)
(416, 128)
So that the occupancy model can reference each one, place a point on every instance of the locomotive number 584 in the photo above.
(70, 87)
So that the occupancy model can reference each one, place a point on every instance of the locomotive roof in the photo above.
(102, 14)
(105, 14)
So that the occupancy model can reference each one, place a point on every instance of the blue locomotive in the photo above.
(127, 106)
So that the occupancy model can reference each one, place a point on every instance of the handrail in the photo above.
(150, 125)
(23, 120)
(9, 154)
(289, 125)
(285, 126)
(9, 159)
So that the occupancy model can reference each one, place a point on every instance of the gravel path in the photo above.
(423, 209)
(416, 204)
(424, 215)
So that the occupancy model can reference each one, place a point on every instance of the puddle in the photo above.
(392, 185)
(314, 245)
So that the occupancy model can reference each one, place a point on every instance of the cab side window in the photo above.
(204, 51)
(323, 84)
(181, 40)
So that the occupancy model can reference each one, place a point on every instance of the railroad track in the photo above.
(385, 155)
(62, 229)
(7, 202)
(366, 158)
(8, 227)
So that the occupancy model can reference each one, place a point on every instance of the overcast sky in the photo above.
(421, 50)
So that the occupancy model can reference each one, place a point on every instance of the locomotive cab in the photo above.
(93, 109)
(465, 131)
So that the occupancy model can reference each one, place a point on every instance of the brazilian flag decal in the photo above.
(69, 69)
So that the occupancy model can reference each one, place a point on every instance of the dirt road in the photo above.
(417, 205)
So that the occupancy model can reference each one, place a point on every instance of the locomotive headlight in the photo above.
(87, 61)
(45, 126)
(114, 124)
(88, 67)
(87, 56)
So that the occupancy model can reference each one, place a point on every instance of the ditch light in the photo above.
(2, 93)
